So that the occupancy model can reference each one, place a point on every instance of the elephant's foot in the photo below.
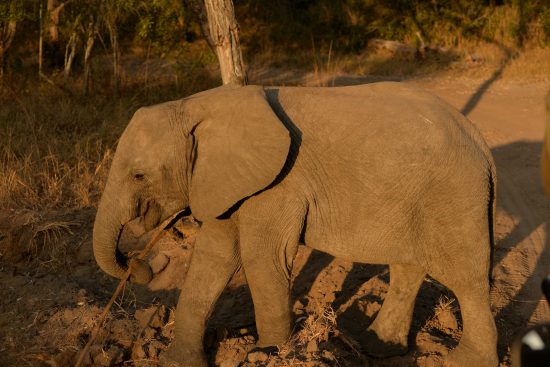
(379, 347)
(463, 356)
(179, 357)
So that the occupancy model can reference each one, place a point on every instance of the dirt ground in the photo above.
(46, 315)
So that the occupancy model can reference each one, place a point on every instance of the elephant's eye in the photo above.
(139, 177)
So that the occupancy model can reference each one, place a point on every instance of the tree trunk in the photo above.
(7, 33)
(92, 31)
(198, 7)
(223, 36)
(40, 42)
(70, 51)
(54, 12)
(113, 35)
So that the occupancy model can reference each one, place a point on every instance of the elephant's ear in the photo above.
(241, 147)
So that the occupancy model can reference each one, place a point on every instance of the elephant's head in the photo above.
(206, 152)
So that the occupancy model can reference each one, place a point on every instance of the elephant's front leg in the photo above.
(268, 241)
(215, 259)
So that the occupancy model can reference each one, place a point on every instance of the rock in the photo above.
(110, 357)
(230, 362)
(166, 331)
(328, 355)
(80, 297)
(312, 346)
(65, 358)
(159, 263)
(149, 333)
(446, 319)
(154, 348)
(144, 316)
(102, 359)
(85, 254)
(137, 351)
(258, 356)
(69, 315)
(95, 350)
(371, 308)
(151, 317)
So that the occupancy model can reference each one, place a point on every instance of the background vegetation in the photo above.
(73, 78)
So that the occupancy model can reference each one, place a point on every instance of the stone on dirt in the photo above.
(151, 317)
(159, 263)
(230, 362)
(258, 356)
(312, 346)
(447, 320)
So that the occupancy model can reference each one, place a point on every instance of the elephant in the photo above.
(381, 173)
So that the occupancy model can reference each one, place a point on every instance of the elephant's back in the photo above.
(387, 124)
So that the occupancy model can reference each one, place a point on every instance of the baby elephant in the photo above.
(380, 173)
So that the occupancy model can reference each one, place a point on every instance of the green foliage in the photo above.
(11, 11)
(163, 23)
(280, 27)
(348, 25)
(17, 10)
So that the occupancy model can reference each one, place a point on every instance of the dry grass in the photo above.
(38, 237)
(443, 317)
(58, 144)
(316, 328)
(56, 149)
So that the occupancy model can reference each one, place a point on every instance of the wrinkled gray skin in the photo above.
(380, 173)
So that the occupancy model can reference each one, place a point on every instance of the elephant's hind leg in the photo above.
(477, 346)
(467, 275)
(388, 334)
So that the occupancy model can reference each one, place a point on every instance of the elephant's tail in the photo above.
(491, 170)
(491, 213)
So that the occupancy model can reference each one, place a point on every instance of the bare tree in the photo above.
(218, 23)
(112, 13)
(8, 27)
(54, 12)
(70, 48)
(91, 32)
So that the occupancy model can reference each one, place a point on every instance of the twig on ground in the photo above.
(121, 285)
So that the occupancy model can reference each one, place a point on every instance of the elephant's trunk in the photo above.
(107, 228)
(113, 212)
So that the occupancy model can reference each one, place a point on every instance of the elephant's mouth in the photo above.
(142, 224)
